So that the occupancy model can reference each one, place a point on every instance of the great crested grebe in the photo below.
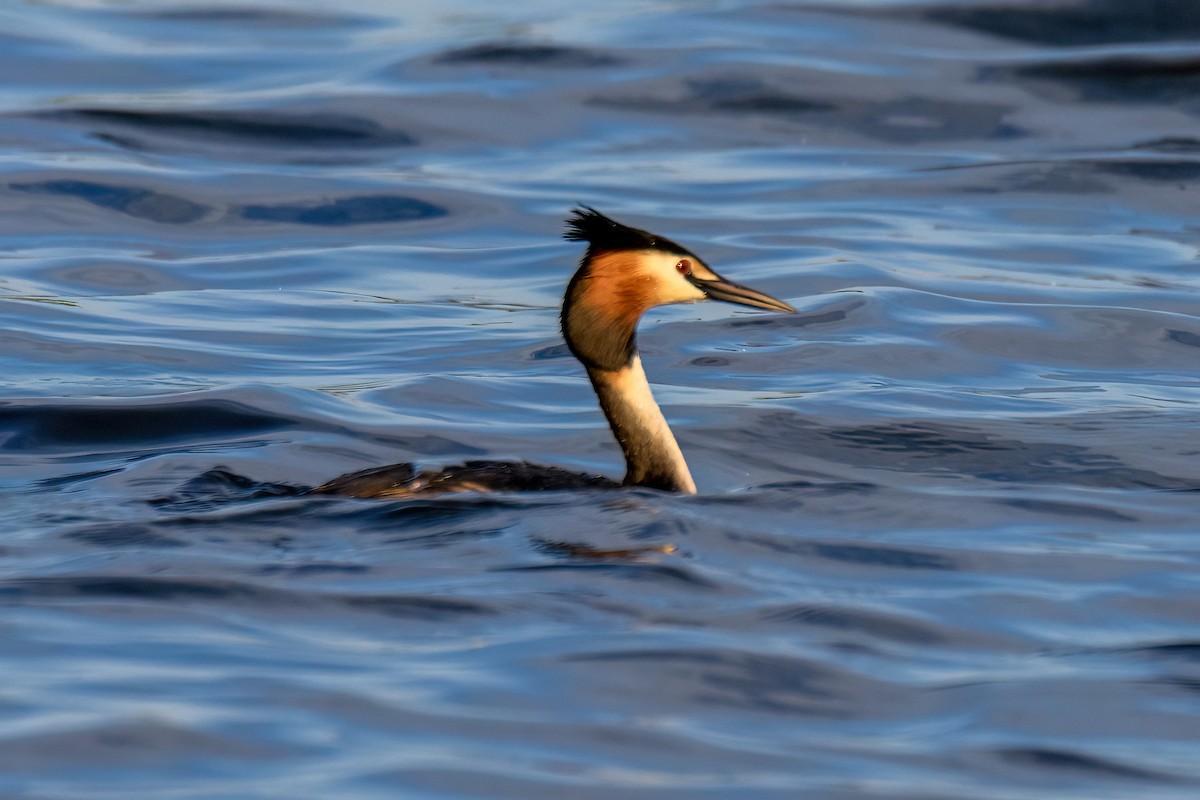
(623, 274)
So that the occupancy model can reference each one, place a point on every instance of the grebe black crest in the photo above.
(623, 274)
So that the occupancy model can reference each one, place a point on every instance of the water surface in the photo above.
(945, 545)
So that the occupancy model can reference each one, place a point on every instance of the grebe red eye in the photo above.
(684, 266)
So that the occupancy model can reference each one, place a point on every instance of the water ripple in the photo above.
(944, 544)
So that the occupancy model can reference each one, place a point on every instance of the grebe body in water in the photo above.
(624, 273)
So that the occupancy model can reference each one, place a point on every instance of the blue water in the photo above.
(946, 543)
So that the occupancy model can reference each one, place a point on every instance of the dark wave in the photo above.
(832, 617)
(1161, 170)
(146, 744)
(134, 201)
(1068, 761)
(367, 210)
(271, 128)
(741, 94)
(1127, 79)
(937, 118)
(132, 587)
(162, 207)
(47, 428)
(720, 94)
(114, 535)
(517, 54)
(662, 574)
(416, 606)
(859, 554)
(1077, 23)
(237, 593)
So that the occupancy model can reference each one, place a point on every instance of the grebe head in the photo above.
(626, 272)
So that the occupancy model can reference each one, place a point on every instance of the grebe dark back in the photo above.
(623, 274)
